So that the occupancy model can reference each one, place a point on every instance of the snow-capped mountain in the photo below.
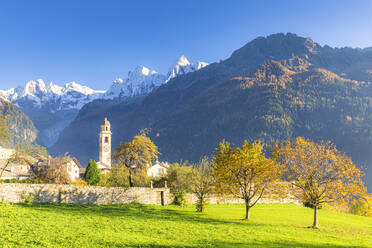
(52, 107)
(183, 66)
(142, 81)
(36, 94)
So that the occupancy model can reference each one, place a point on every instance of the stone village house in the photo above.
(19, 171)
(71, 166)
(24, 169)
(75, 171)
(158, 169)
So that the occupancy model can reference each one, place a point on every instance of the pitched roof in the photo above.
(165, 165)
(77, 163)
(106, 166)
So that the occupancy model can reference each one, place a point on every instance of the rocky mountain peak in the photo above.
(183, 61)
(277, 47)
(183, 66)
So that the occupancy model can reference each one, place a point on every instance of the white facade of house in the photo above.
(73, 170)
(19, 171)
(157, 169)
(5, 153)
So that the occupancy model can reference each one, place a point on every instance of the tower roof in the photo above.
(105, 122)
(105, 126)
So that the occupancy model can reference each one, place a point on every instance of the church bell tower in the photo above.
(105, 145)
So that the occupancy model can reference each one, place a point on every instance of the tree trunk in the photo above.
(3, 169)
(315, 224)
(247, 208)
(2, 172)
(130, 178)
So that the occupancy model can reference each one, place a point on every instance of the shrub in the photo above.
(25, 181)
(27, 198)
(140, 178)
(159, 182)
(180, 198)
(3, 202)
(79, 182)
(117, 177)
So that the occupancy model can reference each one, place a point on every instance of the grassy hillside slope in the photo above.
(272, 225)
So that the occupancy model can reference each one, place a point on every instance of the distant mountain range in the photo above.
(37, 95)
(273, 88)
(53, 107)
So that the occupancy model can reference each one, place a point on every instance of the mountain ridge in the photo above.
(287, 85)
(52, 107)
(20, 126)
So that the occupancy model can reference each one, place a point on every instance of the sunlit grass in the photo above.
(272, 225)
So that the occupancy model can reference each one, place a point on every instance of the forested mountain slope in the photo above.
(273, 88)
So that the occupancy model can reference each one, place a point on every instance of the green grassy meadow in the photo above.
(134, 225)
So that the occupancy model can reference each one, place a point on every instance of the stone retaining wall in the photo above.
(74, 194)
(192, 199)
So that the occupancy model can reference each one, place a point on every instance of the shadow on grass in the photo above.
(137, 211)
(268, 244)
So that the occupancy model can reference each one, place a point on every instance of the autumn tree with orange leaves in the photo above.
(320, 172)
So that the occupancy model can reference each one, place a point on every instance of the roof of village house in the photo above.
(162, 164)
(99, 163)
(77, 163)
(25, 161)
(45, 162)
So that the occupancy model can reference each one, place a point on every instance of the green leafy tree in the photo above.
(119, 176)
(245, 172)
(136, 155)
(92, 173)
(179, 177)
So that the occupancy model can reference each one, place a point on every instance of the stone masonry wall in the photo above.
(192, 199)
(74, 194)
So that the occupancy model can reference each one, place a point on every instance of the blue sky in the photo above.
(93, 42)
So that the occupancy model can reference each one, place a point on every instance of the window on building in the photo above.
(106, 140)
